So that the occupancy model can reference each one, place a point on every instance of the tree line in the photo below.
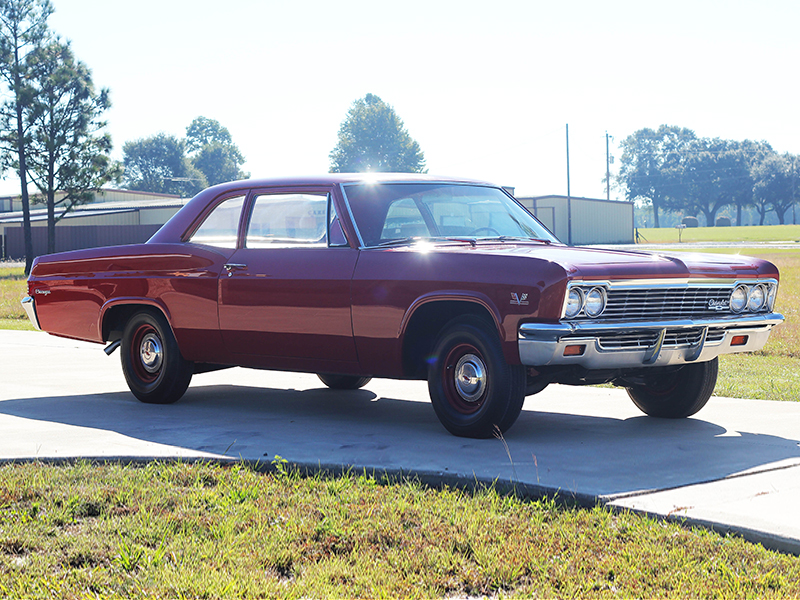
(51, 126)
(671, 169)
(167, 164)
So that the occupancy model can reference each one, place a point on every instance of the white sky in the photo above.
(486, 88)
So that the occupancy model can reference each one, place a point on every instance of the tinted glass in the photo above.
(221, 226)
(287, 219)
(386, 212)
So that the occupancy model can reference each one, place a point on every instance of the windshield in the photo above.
(391, 212)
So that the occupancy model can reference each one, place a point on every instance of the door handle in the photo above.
(231, 267)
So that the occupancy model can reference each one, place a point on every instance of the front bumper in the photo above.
(614, 345)
(30, 308)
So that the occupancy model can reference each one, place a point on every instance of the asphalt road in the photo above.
(734, 466)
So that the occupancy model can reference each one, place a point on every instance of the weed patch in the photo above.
(204, 530)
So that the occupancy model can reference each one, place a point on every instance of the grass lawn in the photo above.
(198, 530)
(12, 289)
(767, 233)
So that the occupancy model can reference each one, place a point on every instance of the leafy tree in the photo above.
(160, 164)
(373, 138)
(203, 131)
(213, 152)
(67, 150)
(774, 178)
(652, 164)
(23, 29)
(219, 163)
(716, 173)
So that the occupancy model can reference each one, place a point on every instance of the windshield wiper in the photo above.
(437, 238)
(514, 238)
(398, 242)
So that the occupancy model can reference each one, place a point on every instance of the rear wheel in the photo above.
(474, 391)
(154, 369)
(676, 394)
(343, 382)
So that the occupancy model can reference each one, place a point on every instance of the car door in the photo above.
(285, 293)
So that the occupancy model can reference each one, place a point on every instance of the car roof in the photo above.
(344, 178)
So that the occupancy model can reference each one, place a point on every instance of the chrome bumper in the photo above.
(30, 308)
(636, 344)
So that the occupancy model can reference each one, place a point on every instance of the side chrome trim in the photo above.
(542, 344)
(30, 308)
(352, 218)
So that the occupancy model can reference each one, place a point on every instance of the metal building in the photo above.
(584, 221)
(114, 217)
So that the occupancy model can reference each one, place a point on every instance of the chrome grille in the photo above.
(645, 339)
(665, 303)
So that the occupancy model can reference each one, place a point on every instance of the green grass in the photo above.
(208, 531)
(767, 233)
(21, 324)
(759, 376)
(13, 288)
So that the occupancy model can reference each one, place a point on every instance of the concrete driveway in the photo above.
(734, 466)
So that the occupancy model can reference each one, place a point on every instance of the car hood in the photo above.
(602, 263)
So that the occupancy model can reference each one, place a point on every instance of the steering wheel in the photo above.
(486, 229)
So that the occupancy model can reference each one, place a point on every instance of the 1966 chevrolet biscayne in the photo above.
(412, 277)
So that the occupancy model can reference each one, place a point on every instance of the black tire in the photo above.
(492, 399)
(343, 382)
(151, 360)
(677, 394)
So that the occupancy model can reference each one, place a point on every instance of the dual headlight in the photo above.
(592, 302)
(753, 297)
(746, 297)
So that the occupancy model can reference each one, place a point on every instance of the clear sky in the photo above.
(486, 88)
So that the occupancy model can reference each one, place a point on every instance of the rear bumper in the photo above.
(30, 309)
(638, 344)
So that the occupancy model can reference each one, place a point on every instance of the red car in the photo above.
(407, 277)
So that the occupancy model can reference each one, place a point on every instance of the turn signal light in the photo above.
(738, 340)
(576, 350)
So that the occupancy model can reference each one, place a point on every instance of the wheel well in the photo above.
(116, 317)
(425, 326)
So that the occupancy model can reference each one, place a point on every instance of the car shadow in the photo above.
(598, 456)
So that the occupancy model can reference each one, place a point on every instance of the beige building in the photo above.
(113, 217)
(583, 221)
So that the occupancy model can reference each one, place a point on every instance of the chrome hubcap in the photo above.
(470, 378)
(151, 353)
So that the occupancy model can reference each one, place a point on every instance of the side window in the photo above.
(221, 227)
(288, 219)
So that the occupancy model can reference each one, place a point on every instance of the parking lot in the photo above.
(734, 466)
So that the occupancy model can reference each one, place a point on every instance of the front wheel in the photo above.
(474, 391)
(154, 369)
(676, 394)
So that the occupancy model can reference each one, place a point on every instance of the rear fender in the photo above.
(106, 327)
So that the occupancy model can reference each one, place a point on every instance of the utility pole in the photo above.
(608, 171)
(569, 197)
(794, 201)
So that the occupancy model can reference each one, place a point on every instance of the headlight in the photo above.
(574, 302)
(739, 298)
(772, 295)
(756, 298)
(595, 302)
